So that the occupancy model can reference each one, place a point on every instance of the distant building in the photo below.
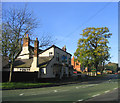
(76, 65)
(52, 62)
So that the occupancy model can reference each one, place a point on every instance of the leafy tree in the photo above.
(111, 66)
(16, 23)
(93, 46)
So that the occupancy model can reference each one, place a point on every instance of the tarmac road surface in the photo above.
(102, 90)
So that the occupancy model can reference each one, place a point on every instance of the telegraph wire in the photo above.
(89, 19)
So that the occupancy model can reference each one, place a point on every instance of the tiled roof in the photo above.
(26, 63)
(54, 47)
(44, 60)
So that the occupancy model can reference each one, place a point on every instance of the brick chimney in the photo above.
(26, 41)
(73, 62)
(36, 47)
(35, 58)
(64, 48)
(25, 54)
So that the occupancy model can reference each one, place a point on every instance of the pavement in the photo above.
(97, 90)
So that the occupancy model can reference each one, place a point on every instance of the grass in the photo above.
(13, 85)
(21, 85)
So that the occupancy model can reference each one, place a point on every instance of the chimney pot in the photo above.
(26, 40)
(27, 35)
(64, 48)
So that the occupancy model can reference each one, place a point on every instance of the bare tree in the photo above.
(45, 41)
(16, 23)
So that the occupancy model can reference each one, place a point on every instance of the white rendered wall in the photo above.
(34, 65)
(24, 53)
(46, 53)
(49, 68)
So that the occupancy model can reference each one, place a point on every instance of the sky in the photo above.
(64, 21)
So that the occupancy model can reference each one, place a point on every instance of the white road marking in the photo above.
(49, 92)
(21, 94)
(115, 88)
(55, 91)
(95, 95)
(40, 93)
(107, 91)
(77, 87)
(89, 85)
(80, 100)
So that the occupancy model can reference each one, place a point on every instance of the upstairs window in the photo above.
(64, 59)
(69, 60)
(57, 57)
(50, 53)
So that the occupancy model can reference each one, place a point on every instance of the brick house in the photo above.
(77, 66)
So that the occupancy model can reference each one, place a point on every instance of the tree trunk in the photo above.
(11, 70)
(96, 66)
(103, 67)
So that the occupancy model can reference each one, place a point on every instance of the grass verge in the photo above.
(21, 85)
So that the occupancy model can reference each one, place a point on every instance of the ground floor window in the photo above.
(43, 70)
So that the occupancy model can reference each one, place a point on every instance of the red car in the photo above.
(75, 72)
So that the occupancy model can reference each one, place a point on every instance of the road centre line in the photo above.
(80, 100)
(39, 93)
(115, 88)
(55, 91)
(95, 95)
(78, 87)
(21, 94)
(107, 91)
(86, 86)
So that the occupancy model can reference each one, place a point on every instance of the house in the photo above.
(52, 62)
(76, 65)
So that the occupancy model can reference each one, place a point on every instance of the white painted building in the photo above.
(52, 62)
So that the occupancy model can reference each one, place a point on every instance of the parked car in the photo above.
(98, 73)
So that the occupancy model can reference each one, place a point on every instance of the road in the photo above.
(102, 90)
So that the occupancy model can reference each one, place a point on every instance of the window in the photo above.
(69, 60)
(43, 70)
(64, 58)
(57, 57)
(50, 53)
